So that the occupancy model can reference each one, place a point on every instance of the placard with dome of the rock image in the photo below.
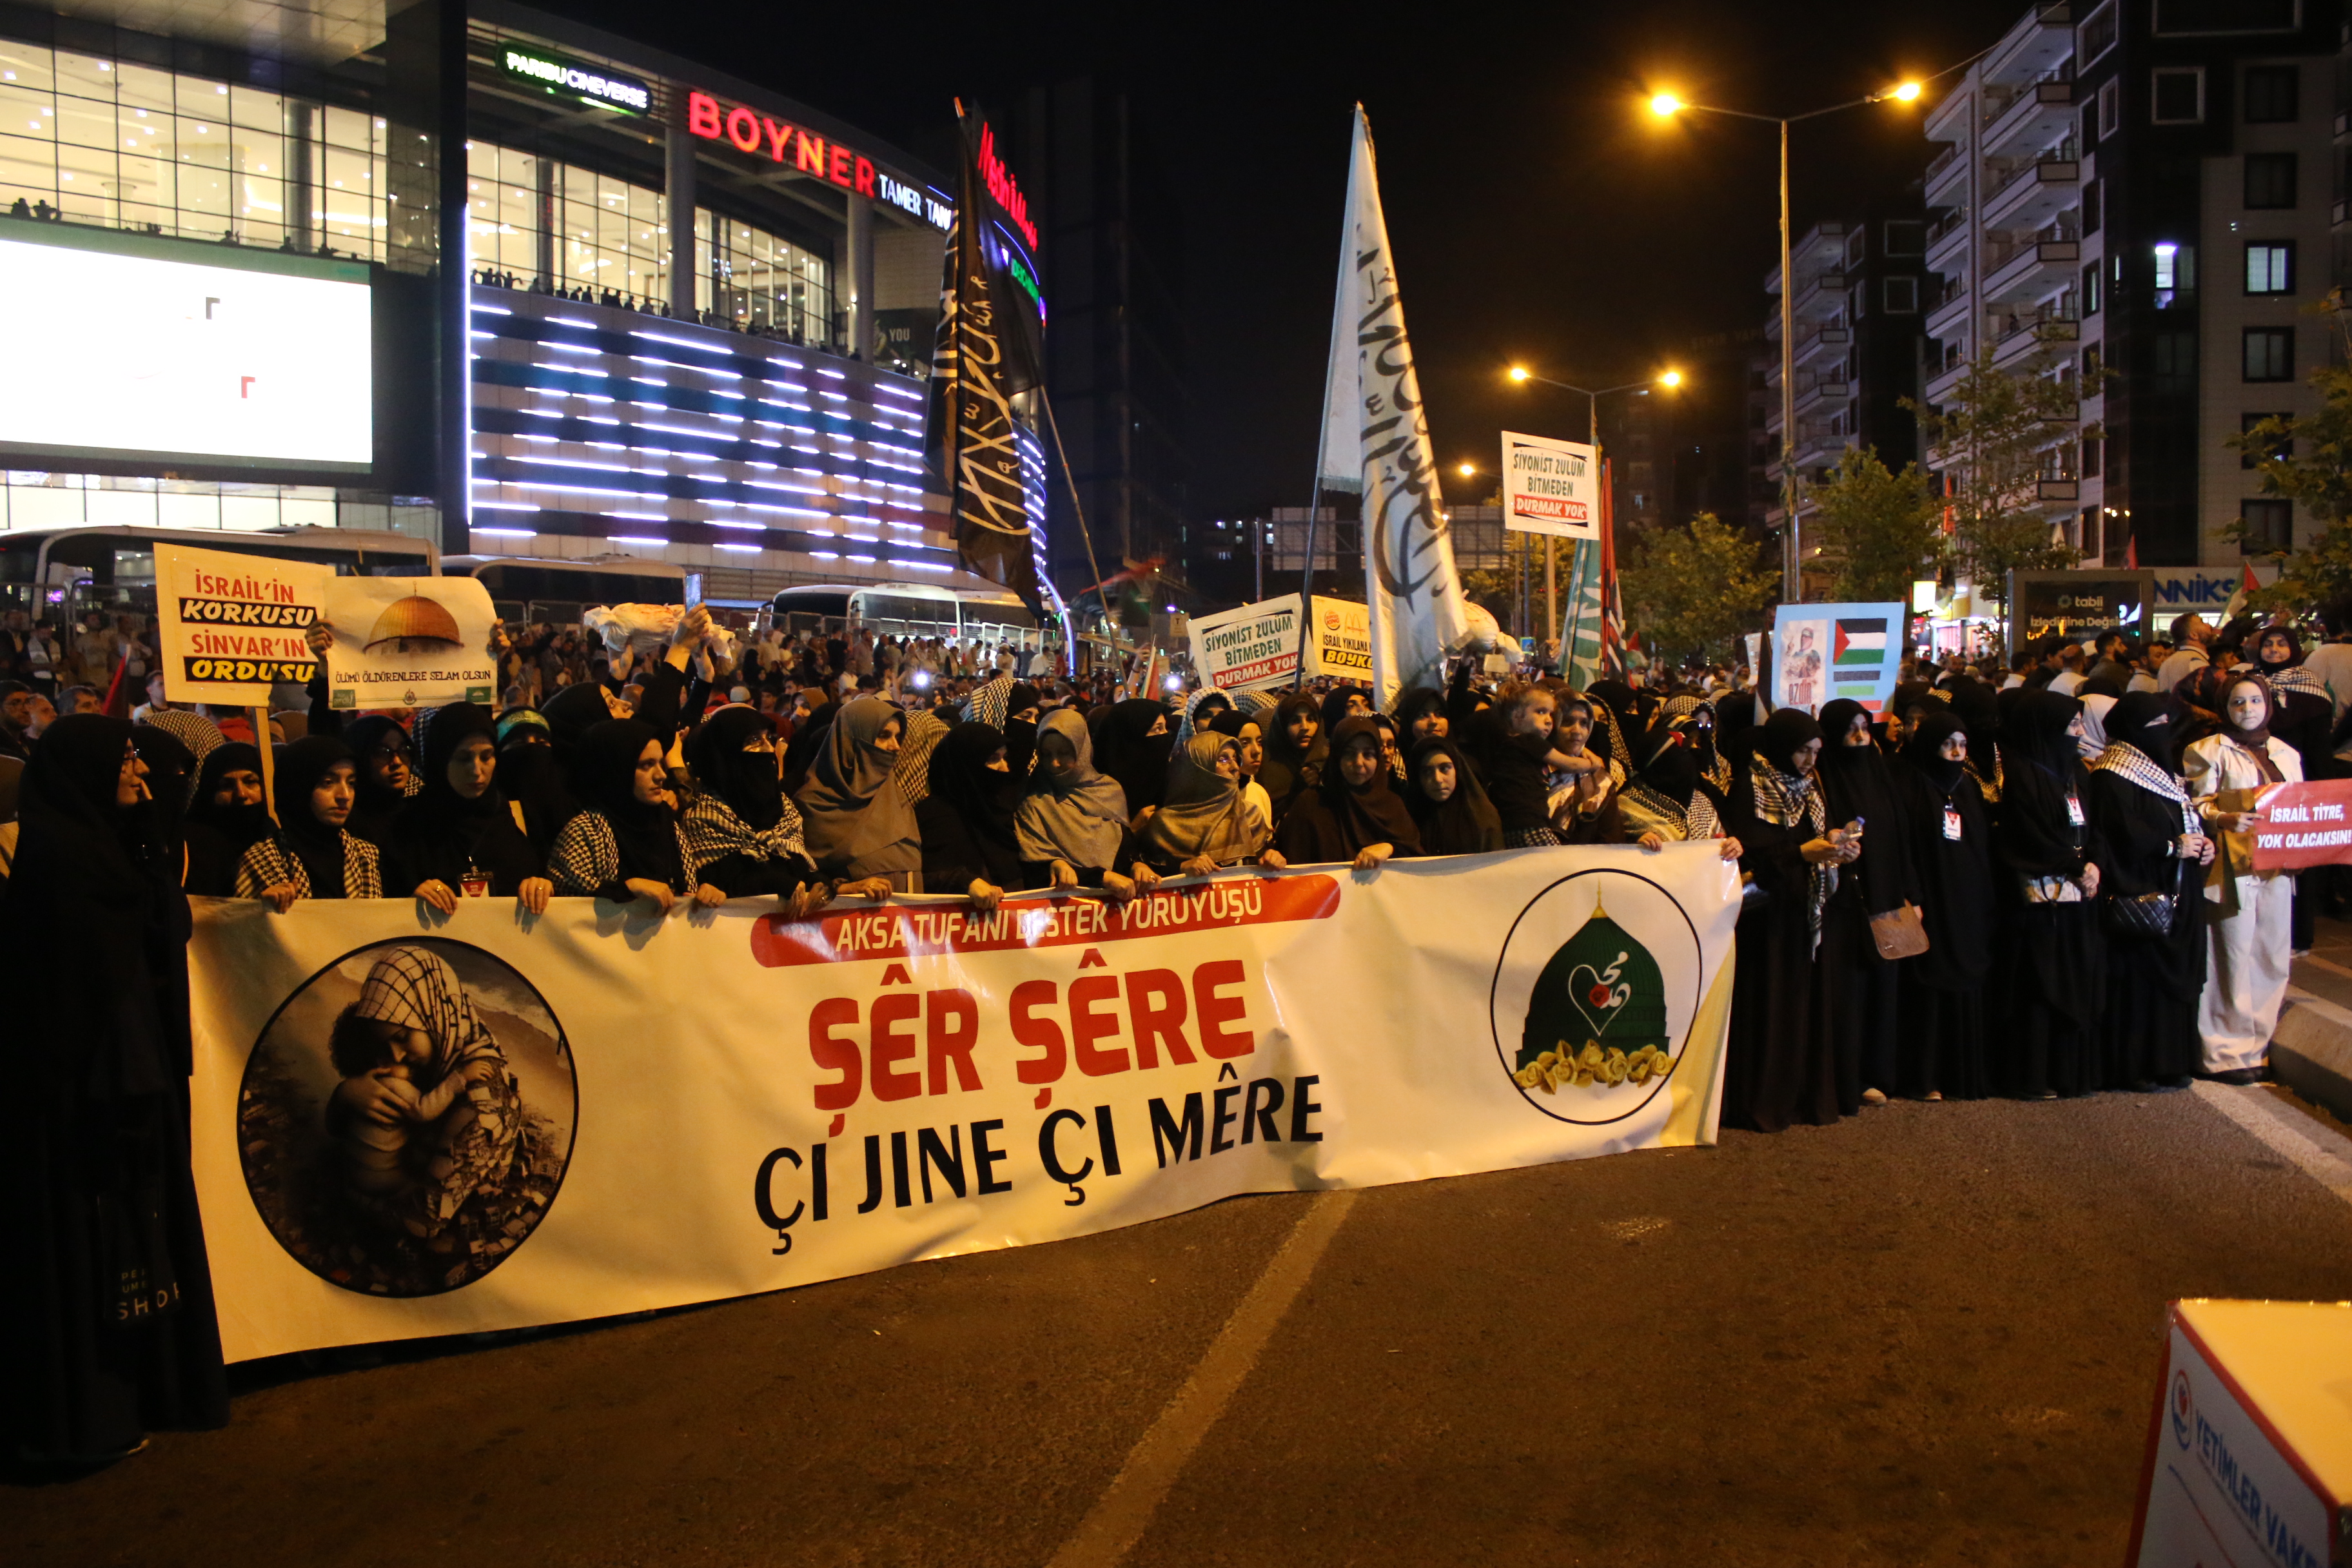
(409, 642)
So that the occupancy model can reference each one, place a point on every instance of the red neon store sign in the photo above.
(756, 133)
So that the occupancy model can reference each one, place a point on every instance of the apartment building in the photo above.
(2131, 196)
(1859, 290)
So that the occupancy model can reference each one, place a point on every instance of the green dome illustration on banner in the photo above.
(1598, 1012)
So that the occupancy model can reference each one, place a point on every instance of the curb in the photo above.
(2311, 1050)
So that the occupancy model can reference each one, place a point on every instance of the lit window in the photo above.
(2269, 268)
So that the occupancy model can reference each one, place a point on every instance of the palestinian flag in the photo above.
(1861, 642)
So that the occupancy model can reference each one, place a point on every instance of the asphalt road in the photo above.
(1928, 1335)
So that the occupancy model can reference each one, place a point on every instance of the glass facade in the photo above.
(537, 218)
(127, 145)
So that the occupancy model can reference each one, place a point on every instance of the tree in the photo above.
(2309, 462)
(1694, 590)
(1882, 529)
(1497, 588)
(1991, 437)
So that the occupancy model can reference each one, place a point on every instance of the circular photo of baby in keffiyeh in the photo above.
(406, 1117)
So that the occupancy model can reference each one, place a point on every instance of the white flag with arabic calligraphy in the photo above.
(1376, 441)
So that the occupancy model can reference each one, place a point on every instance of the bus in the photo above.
(526, 589)
(63, 574)
(906, 610)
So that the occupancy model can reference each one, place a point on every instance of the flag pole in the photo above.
(1079, 508)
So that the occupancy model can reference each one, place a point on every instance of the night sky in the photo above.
(1538, 211)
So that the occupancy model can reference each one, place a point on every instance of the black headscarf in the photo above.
(747, 781)
(1465, 823)
(2041, 768)
(1780, 737)
(1337, 822)
(301, 767)
(2272, 666)
(1973, 701)
(1923, 746)
(1623, 718)
(1020, 735)
(1858, 784)
(170, 767)
(1335, 706)
(603, 768)
(1289, 769)
(1410, 708)
(241, 825)
(982, 796)
(443, 832)
(90, 888)
(2152, 722)
(1128, 753)
(571, 713)
(373, 805)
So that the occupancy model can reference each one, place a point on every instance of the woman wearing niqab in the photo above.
(2155, 848)
(742, 833)
(220, 832)
(1130, 753)
(2049, 963)
(1858, 987)
(1940, 994)
(966, 817)
(1778, 1067)
(95, 1182)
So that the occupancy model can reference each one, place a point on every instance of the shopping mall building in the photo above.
(653, 310)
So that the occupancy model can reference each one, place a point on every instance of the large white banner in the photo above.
(1550, 486)
(409, 1125)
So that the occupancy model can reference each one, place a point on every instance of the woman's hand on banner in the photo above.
(440, 895)
(1652, 841)
(280, 897)
(875, 888)
(1273, 860)
(1201, 866)
(1731, 850)
(658, 894)
(534, 893)
(802, 902)
(1372, 856)
(1065, 877)
(984, 895)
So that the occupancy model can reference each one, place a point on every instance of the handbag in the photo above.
(1899, 933)
(2144, 914)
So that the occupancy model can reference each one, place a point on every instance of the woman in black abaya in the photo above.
(1294, 752)
(966, 819)
(1858, 987)
(2049, 973)
(1940, 1000)
(1133, 746)
(1354, 817)
(1778, 1068)
(96, 1195)
(229, 812)
(627, 844)
(742, 835)
(1449, 806)
(2154, 842)
(459, 828)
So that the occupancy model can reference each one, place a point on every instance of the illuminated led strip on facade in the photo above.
(605, 89)
(604, 422)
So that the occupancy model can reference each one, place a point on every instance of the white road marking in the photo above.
(2320, 1153)
(1117, 1521)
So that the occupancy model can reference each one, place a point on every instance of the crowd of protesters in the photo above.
(2032, 882)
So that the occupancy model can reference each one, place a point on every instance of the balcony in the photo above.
(1822, 295)
(2018, 335)
(1811, 342)
(1946, 317)
(1825, 391)
(2023, 271)
(2037, 45)
(1945, 168)
(2032, 116)
(2066, 489)
(2030, 195)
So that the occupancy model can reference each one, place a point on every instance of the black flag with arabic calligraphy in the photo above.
(990, 349)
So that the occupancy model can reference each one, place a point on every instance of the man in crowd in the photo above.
(2190, 638)
(2114, 658)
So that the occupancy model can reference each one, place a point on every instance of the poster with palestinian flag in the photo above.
(1824, 652)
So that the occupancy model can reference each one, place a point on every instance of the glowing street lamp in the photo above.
(1665, 105)
(1467, 469)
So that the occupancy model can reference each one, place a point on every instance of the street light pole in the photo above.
(1665, 105)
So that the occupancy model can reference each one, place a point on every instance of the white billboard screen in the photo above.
(118, 349)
